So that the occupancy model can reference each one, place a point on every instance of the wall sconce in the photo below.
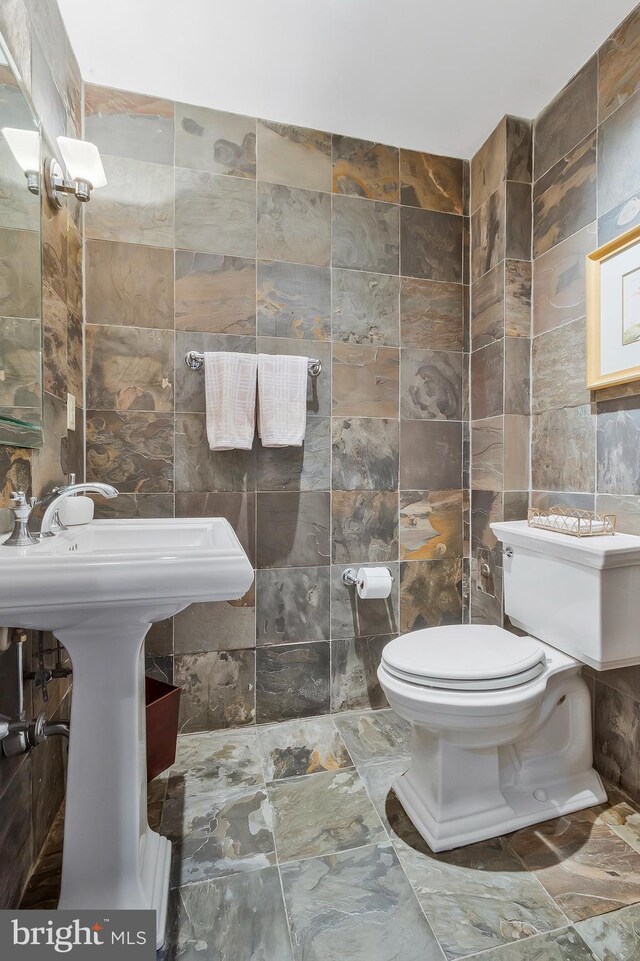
(84, 168)
(25, 147)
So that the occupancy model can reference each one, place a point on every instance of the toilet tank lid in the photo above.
(600, 551)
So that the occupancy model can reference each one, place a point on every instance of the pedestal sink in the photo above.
(99, 588)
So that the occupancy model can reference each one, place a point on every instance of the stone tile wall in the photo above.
(223, 232)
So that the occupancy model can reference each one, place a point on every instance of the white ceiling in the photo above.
(429, 75)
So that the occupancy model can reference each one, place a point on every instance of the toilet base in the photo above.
(520, 809)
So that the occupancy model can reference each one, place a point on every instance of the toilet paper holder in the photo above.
(350, 576)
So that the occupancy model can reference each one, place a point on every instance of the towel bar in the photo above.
(194, 359)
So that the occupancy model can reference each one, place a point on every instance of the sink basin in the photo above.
(99, 588)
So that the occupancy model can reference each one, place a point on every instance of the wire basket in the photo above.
(570, 520)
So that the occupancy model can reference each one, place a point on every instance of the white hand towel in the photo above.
(282, 405)
(230, 390)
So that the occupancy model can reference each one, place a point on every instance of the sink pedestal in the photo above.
(112, 859)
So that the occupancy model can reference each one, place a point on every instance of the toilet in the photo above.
(501, 723)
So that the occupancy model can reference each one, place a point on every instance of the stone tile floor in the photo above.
(290, 846)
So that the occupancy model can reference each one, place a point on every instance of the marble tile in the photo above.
(567, 120)
(518, 217)
(354, 680)
(353, 617)
(365, 308)
(239, 916)
(292, 680)
(625, 507)
(15, 26)
(215, 214)
(517, 386)
(430, 593)
(518, 298)
(365, 452)
(293, 748)
(133, 450)
(619, 219)
(220, 761)
(365, 236)
(488, 232)
(487, 452)
(583, 865)
(189, 385)
(374, 736)
(197, 468)
(364, 527)
(129, 368)
(619, 74)
(136, 206)
(294, 300)
(124, 124)
(617, 738)
(558, 365)
(359, 899)
(216, 141)
(488, 308)
(361, 168)
(292, 605)
(431, 182)
(215, 293)
(217, 835)
(431, 455)
(135, 505)
(519, 149)
(318, 388)
(618, 169)
(487, 381)
(378, 777)
(293, 529)
(614, 936)
(431, 245)
(296, 156)
(563, 449)
(16, 836)
(476, 897)
(20, 349)
(236, 507)
(129, 285)
(216, 626)
(431, 314)
(617, 446)
(306, 468)
(294, 224)
(564, 198)
(559, 281)
(430, 524)
(19, 273)
(516, 452)
(488, 166)
(563, 945)
(431, 385)
(218, 689)
(365, 381)
(321, 815)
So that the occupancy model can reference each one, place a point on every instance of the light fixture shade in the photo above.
(82, 160)
(25, 147)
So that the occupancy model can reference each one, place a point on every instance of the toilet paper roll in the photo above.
(373, 582)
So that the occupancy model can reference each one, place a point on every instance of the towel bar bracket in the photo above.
(194, 360)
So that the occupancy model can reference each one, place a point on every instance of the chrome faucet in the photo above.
(46, 509)
(40, 520)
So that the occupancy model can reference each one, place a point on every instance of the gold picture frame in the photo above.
(603, 327)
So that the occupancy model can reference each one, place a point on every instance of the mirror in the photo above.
(20, 263)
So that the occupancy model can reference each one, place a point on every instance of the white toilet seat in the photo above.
(465, 658)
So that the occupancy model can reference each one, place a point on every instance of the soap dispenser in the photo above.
(77, 509)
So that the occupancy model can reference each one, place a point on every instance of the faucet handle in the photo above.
(19, 498)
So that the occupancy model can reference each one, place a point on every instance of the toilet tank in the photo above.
(581, 595)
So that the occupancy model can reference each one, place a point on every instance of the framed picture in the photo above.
(613, 312)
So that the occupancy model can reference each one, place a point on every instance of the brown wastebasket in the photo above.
(163, 702)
